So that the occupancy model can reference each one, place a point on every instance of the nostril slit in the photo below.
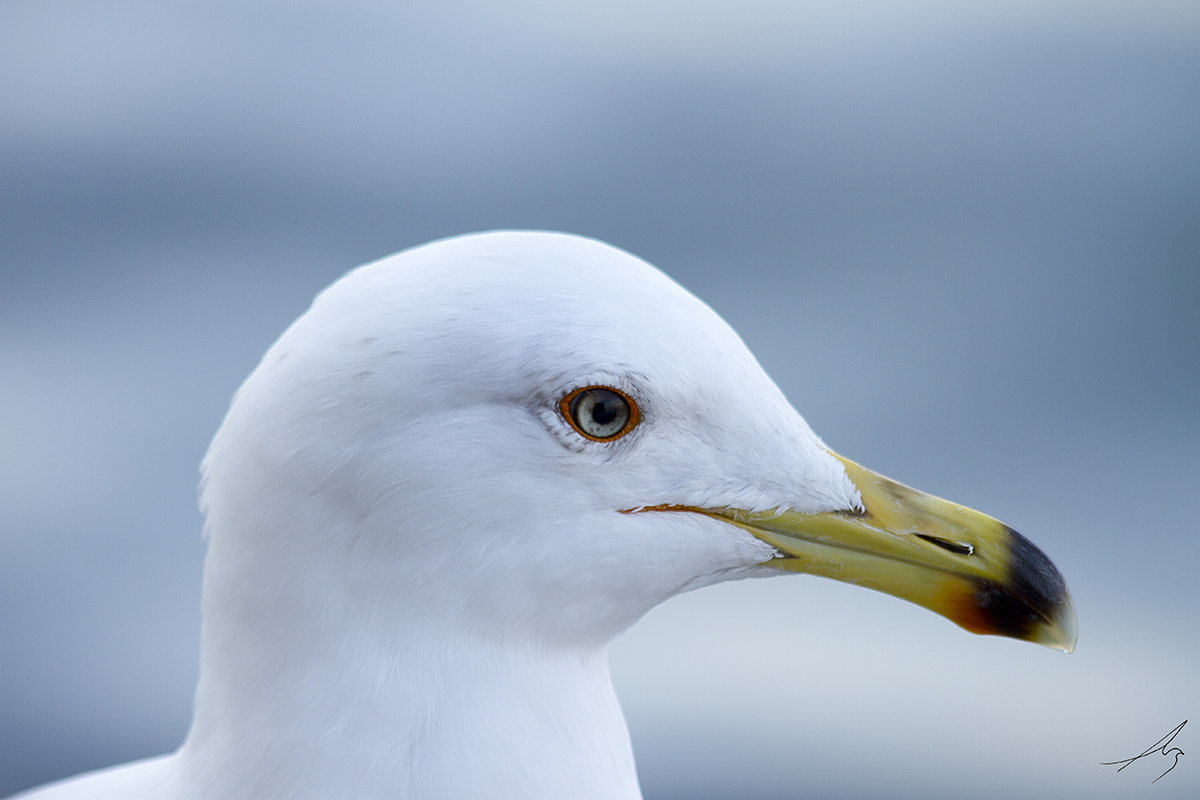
(958, 548)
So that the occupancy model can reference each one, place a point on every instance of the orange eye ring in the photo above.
(600, 413)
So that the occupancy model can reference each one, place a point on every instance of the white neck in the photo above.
(343, 705)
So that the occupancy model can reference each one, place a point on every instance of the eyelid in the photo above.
(635, 416)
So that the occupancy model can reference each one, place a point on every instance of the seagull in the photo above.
(466, 469)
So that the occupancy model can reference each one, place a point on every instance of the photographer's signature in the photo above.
(1161, 746)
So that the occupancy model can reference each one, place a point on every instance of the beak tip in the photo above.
(1061, 632)
(1032, 604)
(1067, 626)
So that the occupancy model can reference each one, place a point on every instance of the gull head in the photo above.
(537, 437)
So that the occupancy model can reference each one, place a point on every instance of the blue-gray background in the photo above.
(965, 239)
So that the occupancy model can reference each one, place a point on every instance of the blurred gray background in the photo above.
(964, 238)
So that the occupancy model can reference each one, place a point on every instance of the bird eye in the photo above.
(600, 413)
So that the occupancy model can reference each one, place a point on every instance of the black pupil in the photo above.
(602, 414)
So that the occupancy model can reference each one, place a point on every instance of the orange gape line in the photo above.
(666, 507)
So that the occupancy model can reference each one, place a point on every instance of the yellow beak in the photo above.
(966, 566)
